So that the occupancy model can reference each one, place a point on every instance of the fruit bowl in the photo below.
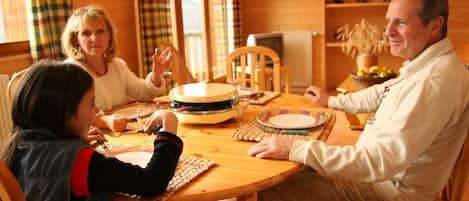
(373, 75)
(370, 80)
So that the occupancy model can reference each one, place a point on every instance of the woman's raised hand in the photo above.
(161, 60)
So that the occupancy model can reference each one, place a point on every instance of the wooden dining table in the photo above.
(235, 174)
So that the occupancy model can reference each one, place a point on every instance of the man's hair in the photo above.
(432, 9)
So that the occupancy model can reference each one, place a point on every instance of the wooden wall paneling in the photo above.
(463, 52)
(338, 65)
(338, 17)
(458, 28)
(122, 15)
(14, 56)
(15, 63)
(277, 15)
(266, 16)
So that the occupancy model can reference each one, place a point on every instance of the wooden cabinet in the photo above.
(338, 65)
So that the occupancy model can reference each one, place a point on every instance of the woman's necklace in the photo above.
(98, 71)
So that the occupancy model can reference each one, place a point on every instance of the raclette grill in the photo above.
(200, 107)
(203, 103)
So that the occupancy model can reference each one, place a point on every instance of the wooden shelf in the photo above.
(339, 44)
(333, 44)
(357, 5)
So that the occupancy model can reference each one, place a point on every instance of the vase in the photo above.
(366, 61)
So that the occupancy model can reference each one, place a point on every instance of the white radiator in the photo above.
(6, 123)
(298, 55)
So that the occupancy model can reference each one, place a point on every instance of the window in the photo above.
(203, 28)
(13, 21)
(194, 38)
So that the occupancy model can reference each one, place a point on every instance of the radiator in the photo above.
(298, 55)
(5, 110)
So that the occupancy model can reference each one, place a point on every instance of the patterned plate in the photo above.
(291, 118)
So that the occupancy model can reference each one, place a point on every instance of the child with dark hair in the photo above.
(53, 109)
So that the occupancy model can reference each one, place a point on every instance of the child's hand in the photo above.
(164, 119)
(94, 134)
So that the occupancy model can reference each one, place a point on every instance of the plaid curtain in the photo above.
(226, 24)
(155, 25)
(47, 20)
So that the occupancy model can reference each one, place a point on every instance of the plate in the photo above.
(133, 111)
(291, 118)
(246, 92)
(139, 158)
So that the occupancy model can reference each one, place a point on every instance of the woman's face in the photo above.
(81, 121)
(94, 38)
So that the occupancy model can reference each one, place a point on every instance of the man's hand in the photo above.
(317, 95)
(272, 147)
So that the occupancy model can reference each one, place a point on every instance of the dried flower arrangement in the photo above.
(363, 38)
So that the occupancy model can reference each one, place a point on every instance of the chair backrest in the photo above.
(251, 61)
(10, 190)
(15, 79)
(6, 124)
(178, 67)
(454, 189)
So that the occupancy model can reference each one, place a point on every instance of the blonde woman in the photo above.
(89, 41)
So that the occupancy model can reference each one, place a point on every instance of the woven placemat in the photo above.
(253, 131)
(187, 169)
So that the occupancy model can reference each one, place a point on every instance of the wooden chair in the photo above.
(13, 83)
(454, 189)
(6, 123)
(256, 72)
(178, 67)
(10, 190)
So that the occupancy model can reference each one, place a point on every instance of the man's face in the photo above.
(408, 36)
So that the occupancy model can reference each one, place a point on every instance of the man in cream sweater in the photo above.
(407, 150)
